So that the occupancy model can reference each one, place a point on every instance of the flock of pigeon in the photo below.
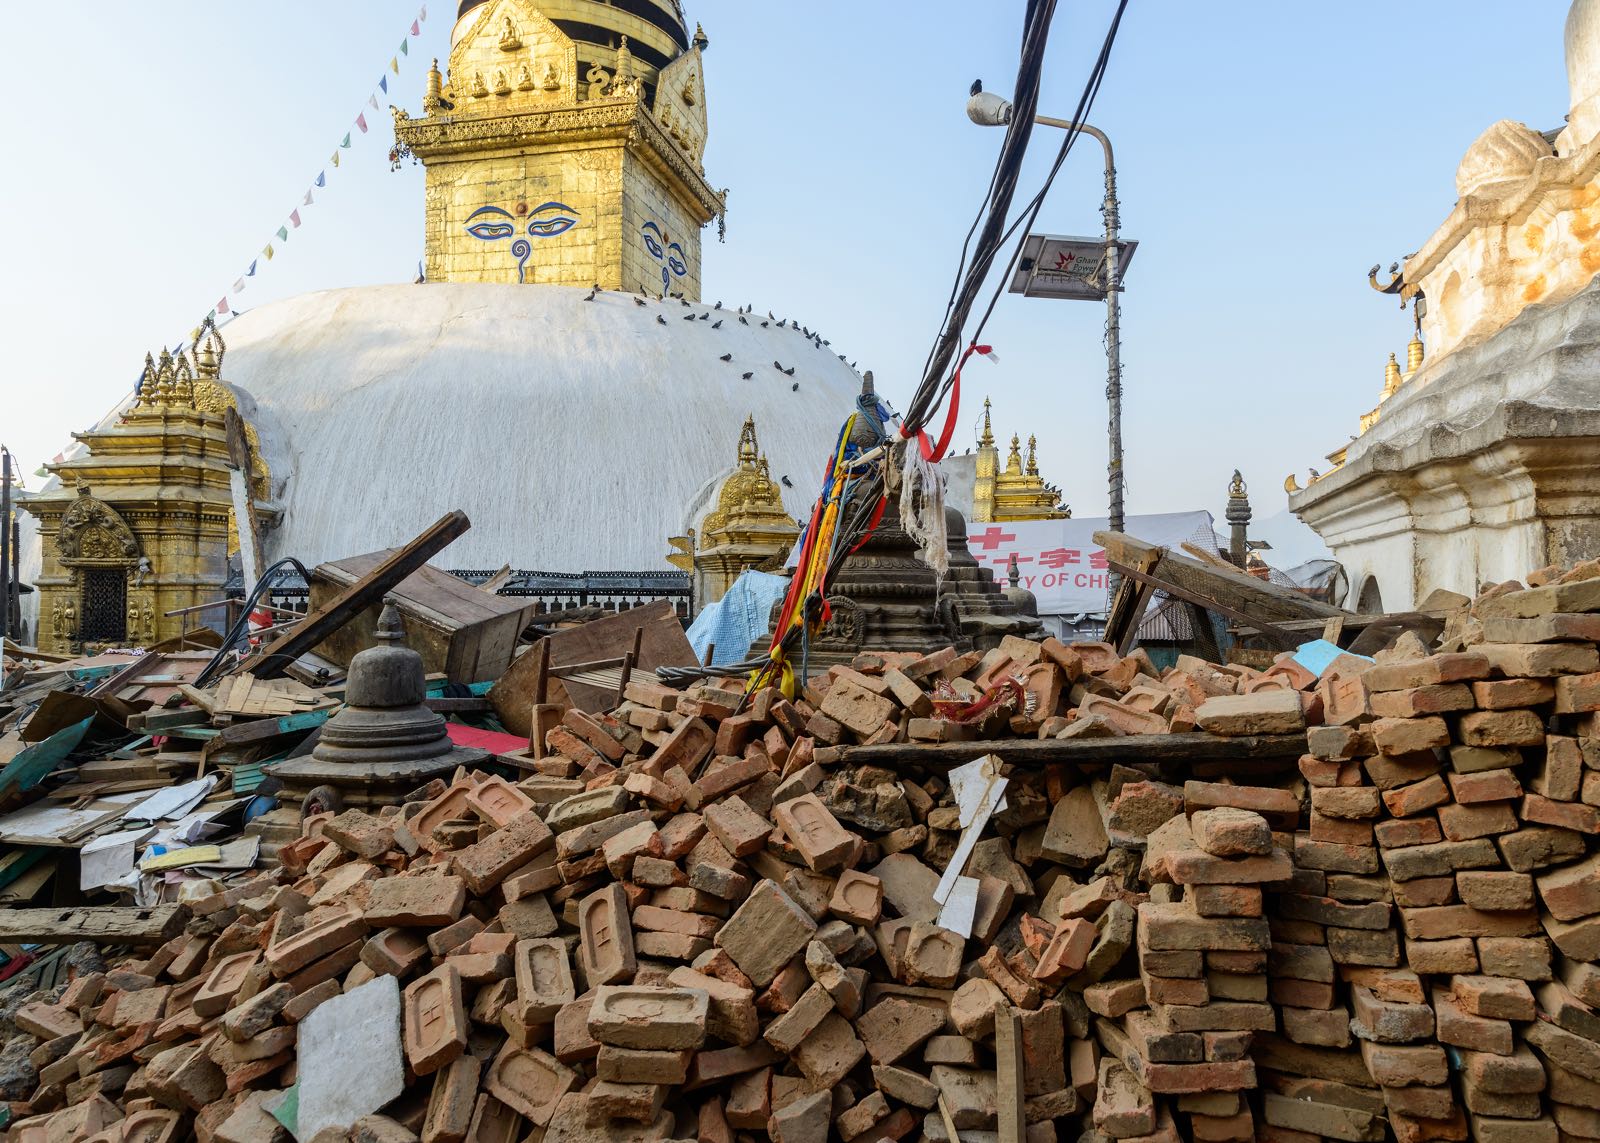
(744, 314)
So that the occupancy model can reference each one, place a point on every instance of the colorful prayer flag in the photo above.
(283, 234)
(222, 307)
(405, 47)
(335, 158)
(394, 66)
(346, 141)
(322, 178)
(307, 200)
(373, 99)
(294, 217)
(383, 81)
(268, 252)
(238, 287)
(251, 273)
(424, 14)
(416, 29)
(361, 122)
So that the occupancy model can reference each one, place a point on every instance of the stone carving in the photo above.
(524, 78)
(1504, 154)
(92, 532)
(509, 40)
(551, 80)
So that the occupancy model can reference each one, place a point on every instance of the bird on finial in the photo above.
(977, 87)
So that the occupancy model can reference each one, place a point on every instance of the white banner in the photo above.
(1061, 564)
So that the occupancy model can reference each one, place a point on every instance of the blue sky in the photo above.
(1268, 153)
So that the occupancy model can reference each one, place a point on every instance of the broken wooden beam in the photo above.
(102, 924)
(1195, 747)
(275, 658)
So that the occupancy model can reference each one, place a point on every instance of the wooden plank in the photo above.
(350, 602)
(152, 721)
(242, 732)
(202, 699)
(1285, 641)
(1009, 1094)
(1225, 584)
(102, 924)
(609, 637)
(1128, 748)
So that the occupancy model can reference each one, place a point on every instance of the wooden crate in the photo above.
(459, 630)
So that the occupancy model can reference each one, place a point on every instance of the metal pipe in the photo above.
(1113, 326)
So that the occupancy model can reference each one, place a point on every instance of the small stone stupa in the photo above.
(385, 742)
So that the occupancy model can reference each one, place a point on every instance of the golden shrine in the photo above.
(1016, 492)
(595, 138)
(142, 523)
(748, 528)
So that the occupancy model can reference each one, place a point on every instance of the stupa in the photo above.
(557, 375)
(384, 742)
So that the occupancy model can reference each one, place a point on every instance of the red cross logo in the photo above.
(992, 538)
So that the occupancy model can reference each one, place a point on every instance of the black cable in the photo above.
(1036, 34)
(1036, 204)
(1031, 211)
(241, 625)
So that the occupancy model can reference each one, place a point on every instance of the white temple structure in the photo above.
(1479, 464)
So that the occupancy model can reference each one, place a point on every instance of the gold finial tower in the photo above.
(564, 146)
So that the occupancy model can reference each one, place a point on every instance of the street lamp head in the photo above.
(987, 109)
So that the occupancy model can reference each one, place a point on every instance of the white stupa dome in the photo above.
(574, 434)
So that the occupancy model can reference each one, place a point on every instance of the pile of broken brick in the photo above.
(699, 918)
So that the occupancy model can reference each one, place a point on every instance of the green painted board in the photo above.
(29, 768)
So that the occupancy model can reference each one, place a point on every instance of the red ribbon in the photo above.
(933, 453)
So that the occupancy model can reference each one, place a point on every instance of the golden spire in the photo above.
(1033, 455)
(624, 61)
(749, 450)
(987, 439)
(1414, 354)
(1014, 459)
(433, 99)
(1391, 377)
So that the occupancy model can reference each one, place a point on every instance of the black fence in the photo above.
(553, 592)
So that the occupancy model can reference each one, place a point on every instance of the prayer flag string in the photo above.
(227, 304)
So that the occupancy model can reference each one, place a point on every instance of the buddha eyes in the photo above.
(550, 227)
(550, 219)
(653, 246)
(675, 260)
(544, 221)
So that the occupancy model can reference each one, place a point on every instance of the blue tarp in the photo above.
(738, 619)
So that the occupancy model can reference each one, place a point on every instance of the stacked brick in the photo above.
(697, 919)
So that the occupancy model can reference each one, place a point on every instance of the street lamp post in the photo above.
(989, 110)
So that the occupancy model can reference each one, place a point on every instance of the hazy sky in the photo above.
(1268, 153)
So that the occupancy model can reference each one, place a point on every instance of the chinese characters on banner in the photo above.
(1061, 564)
